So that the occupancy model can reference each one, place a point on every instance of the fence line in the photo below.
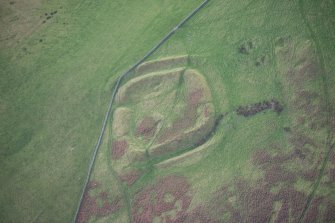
(115, 89)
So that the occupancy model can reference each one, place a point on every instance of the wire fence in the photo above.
(115, 89)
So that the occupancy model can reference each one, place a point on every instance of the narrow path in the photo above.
(115, 89)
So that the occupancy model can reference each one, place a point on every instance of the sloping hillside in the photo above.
(261, 72)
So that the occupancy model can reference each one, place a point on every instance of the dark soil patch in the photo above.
(253, 109)
(119, 149)
(287, 129)
(246, 47)
(299, 154)
(152, 202)
(260, 61)
(146, 128)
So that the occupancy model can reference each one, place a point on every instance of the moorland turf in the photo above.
(267, 156)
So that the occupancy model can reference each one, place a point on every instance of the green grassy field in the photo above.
(56, 77)
(54, 93)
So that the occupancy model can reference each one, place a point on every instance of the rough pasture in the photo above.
(97, 206)
(168, 200)
(130, 177)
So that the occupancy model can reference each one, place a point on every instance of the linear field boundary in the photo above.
(115, 89)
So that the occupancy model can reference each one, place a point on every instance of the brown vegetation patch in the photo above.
(198, 215)
(253, 109)
(332, 156)
(151, 202)
(119, 149)
(263, 158)
(303, 68)
(146, 128)
(309, 69)
(276, 174)
(310, 175)
(329, 215)
(296, 199)
(207, 111)
(332, 175)
(283, 214)
(310, 105)
(313, 211)
(300, 140)
(256, 203)
(293, 201)
(222, 203)
(195, 97)
(130, 177)
(90, 205)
